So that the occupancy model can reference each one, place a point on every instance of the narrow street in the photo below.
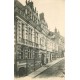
(56, 70)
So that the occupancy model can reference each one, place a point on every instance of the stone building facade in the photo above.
(33, 46)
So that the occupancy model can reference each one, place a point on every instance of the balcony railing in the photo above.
(27, 42)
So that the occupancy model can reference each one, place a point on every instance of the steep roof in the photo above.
(17, 3)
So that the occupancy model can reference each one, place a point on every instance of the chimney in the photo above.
(35, 9)
(42, 16)
(37, 13)
(26, 2)
(55, 29)
(30, 3)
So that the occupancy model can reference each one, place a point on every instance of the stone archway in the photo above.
(22, 71)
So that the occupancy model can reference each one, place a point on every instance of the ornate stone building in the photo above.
(33, 46)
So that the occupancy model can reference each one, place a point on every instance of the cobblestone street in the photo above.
(54, 71)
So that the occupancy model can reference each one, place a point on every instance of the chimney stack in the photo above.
(42, 16)
(35, 9)
(55, 29)
(26, 2)
(37, 13)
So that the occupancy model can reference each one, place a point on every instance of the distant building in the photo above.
(59, 44)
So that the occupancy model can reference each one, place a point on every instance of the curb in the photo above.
(46, 67)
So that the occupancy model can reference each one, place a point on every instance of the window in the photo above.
(18, 56)
(36, 37)
(41, 41)
(37, 21)
(34, 18)
(26, 32)
(30, 34)
(22, 52)
(31, 16)
(19, 52)
(29, 53)
(22, 55)
(36, 53)
(22, 30)
(26, 11)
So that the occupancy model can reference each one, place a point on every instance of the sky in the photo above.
(54, 12)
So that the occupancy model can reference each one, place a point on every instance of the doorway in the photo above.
(22, 71)
(42, 59)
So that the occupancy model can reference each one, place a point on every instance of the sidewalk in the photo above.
(40, 70)
(43, 68)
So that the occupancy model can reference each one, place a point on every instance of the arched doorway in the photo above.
(22, 71)
(42, 59)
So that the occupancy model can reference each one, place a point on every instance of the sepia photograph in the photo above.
(39, 39)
